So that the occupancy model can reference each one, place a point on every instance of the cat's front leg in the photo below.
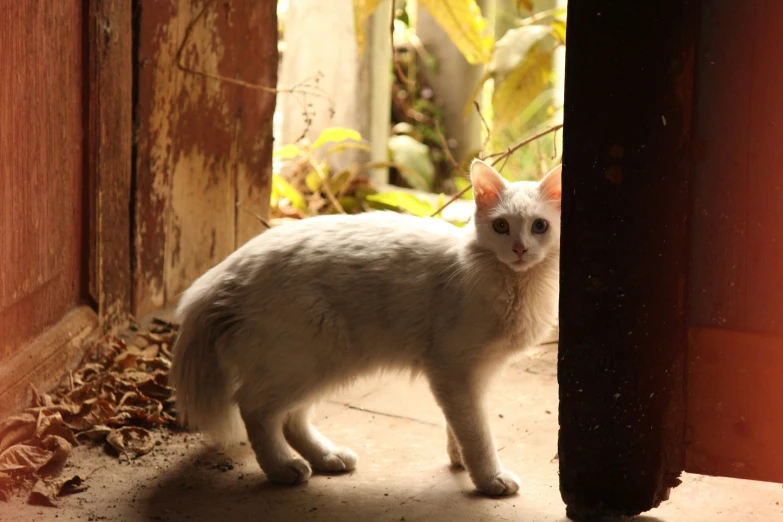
(459, 397)
(452, 448)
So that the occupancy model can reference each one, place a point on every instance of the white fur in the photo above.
(307, 307)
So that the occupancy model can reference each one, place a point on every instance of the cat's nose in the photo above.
(519, 250)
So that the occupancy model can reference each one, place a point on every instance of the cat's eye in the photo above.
(500, 226)
(540, 226)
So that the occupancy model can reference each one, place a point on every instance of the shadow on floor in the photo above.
(188, 493)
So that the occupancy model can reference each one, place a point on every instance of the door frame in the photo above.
(623, 324)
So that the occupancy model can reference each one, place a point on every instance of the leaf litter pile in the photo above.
(117, 395)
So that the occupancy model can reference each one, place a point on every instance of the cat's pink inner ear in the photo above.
(487, 184)
(551, 186)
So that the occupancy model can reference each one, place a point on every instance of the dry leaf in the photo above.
(23, 457)
(95, 433)
(46, 492)
(60, 449)
(42, 495)
(131, 441)
(18, 428)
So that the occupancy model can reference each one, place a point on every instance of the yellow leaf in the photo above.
(559, 30)
(281, 188)
(336, 134)
(521, 86)
(466, 27)
(287, 152)
(400, 201)
(313, 181)
(362, 10)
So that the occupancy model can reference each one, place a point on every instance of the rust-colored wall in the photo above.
(202, 144)
(41, 166)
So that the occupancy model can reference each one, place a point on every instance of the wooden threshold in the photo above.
(42, 362)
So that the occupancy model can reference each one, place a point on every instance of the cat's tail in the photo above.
(204, 385)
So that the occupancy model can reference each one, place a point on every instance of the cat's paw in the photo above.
(340, 459)
(503, 484)
(293, 472)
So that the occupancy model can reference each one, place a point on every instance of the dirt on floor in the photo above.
(403, 473)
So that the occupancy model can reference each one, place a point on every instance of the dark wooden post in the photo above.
(628, 111)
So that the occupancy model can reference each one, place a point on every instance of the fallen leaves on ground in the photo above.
(118, 393)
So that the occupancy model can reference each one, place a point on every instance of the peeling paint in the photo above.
(204, 144)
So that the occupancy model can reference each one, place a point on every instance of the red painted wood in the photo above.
(41, 166)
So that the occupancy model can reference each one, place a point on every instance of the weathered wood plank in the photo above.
(109, 128)
(203, 143)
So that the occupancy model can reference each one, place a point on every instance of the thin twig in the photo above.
(445, 143)
(451, 200)
(484, 122)
(500, 156)
(509, 151)
(325, 184)
(300, 88)
(262, 220)
(397, 66)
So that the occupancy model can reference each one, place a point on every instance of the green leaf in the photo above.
(350, 204)
(414, 159)
(400, 201)
(521, 86)
(281, 188)
(336, 134)
(462, 184)
(362, 10)
(338, 180)
(288, 152)
(466, 27)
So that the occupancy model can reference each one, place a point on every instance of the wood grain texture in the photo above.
(41, 166)
(110, 78)
(203, 144)
(735, 415)
(44, 361)
(624, 259)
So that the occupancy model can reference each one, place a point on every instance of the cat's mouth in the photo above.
(519, 264)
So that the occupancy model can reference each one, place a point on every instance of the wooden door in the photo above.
(206, 78)
(41, 167)
(734, 384)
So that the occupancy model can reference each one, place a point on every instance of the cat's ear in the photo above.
(487, 184)
(551, 187)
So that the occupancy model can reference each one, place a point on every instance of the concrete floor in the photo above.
(396, 429)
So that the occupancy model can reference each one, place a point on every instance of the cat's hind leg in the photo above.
(313, 446)
(265, 431)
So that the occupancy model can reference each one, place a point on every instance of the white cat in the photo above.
(305, 308)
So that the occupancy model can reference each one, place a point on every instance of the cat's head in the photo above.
(518, 222)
